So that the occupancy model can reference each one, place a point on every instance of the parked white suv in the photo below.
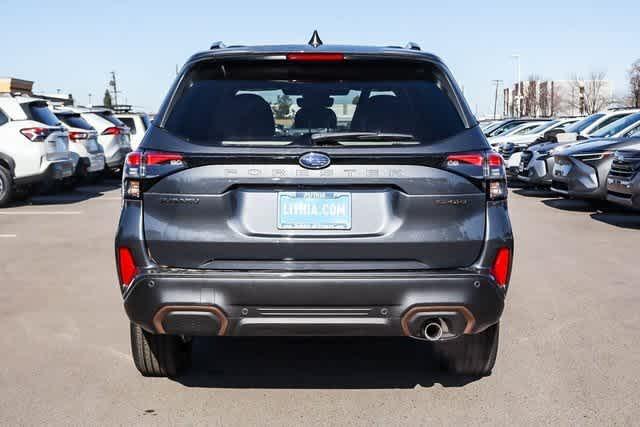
(138, 123)
(113, 135)
(86, 153)
(33, 146)
(589, 125)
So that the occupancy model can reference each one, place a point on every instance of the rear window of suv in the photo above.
(75, 121)
(292, 104)
(108, 116)
(40, 112)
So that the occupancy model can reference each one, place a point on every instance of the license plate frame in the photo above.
(314, 210)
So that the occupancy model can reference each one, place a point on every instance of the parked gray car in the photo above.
(391, 221)
(581, 171)
(623, 182)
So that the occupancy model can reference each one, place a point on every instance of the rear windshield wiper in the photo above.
(361, 137)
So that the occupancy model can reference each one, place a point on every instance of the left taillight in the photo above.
(485, 166)
(127, 268)
(501, 268)
(141, 167)
(37, 134)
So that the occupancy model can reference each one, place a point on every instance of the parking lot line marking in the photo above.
(7, 236)
(42, 213)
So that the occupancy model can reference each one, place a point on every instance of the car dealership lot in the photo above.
(568, 353)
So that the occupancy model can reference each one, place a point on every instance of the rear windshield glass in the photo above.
(129, 122)
(108, 115)
(40, 112)
(302, 104)
(74, 121)
(583, 124)
(616, 127)
(145, 121)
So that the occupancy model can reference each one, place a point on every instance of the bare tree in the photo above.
(531, 96)
(634, 83)
(590, 95)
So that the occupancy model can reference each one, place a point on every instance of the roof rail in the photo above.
(412, 46)
(217, 45)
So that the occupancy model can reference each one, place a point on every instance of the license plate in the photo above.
(92, 146)
(561, 170)
(97, 162)
(314, 210)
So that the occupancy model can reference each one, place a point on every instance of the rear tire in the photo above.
(6, 187)
(471, 355)
(159, 355)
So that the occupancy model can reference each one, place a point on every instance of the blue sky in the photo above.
(72, 45)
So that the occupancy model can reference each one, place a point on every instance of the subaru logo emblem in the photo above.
(314, 161)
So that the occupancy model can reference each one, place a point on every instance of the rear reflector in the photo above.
(502, 266)
(127, 269)
(315, 57)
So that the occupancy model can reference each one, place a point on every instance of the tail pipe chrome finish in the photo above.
(433, 329)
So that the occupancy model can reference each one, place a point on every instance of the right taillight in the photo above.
(143, 166)
(485, 166)
(501, 268)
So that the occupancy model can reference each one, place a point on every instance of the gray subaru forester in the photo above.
(314, 190)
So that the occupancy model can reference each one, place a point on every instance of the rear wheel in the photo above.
(6, 186)
(159, 355)
(472, 355)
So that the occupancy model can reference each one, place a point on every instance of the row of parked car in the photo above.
(43, 146)
(595, 157)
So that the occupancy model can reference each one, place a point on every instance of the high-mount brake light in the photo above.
(501, 267)
(114, 130)
(37, 134)
(315, 57)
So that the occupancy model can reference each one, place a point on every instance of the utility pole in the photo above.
(90, 104)
(113, 83)
(495, 100)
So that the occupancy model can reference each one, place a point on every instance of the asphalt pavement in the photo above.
(569, 351)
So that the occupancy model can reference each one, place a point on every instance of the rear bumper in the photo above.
(314, 304)
(56, 170)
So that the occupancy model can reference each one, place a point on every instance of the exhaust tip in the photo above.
(433, 330)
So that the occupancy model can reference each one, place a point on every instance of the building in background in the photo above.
(548, 98)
